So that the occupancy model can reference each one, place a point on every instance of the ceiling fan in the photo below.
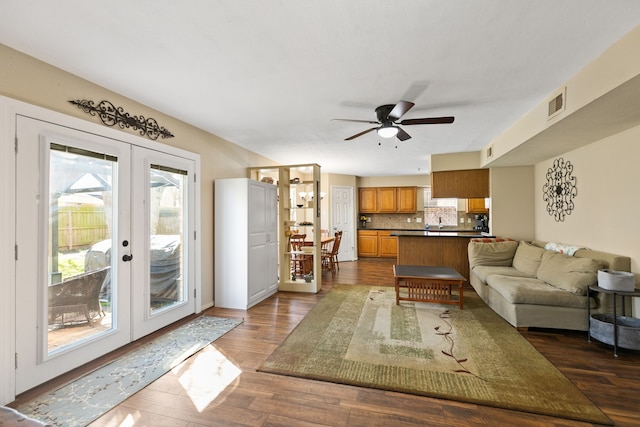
(388, 116)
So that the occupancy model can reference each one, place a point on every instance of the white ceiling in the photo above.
(269, 75)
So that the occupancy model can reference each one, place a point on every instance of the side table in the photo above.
(615, 331)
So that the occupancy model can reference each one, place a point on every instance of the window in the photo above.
(436, 210)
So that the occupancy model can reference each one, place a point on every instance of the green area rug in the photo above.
(87, 398)
(357, 335)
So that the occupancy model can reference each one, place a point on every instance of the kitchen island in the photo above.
(440, 248)
(380, 242)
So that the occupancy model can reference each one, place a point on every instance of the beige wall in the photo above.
(455, 161)
(338, 179)
(35, 82)
(607, 203)
(511, 213)
(394, 181)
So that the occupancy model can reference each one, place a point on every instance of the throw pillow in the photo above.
(527, 258)
(569, 273)
(495, 253)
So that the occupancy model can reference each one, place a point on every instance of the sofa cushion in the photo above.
(494, 253)
(569, 273)
(528, 290)
(484, 271)
(527, 258)
(611, 261)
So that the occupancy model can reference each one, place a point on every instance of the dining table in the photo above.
(325, 247)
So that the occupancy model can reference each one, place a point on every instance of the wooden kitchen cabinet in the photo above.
(377, 243)
(368, 200)
(460, 184)
(476, 206)
(387, 245)
(367, 243)
(408, 199)
(387, 197)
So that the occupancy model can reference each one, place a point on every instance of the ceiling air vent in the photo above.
(556, 104)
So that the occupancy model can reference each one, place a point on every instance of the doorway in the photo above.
(105, 242)
(342, 215)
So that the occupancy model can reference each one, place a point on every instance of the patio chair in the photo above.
(77, 294)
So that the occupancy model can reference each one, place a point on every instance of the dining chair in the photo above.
(330, 256)
(299, 261)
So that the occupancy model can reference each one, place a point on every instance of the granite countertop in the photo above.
(389, 229)
(441, 233)
(445, 230)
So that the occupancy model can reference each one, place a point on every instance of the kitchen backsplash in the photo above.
(400, 222)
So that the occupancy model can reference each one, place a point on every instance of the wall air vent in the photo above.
(489, 152)
(557, 104)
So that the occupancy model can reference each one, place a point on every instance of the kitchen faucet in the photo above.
(439, 222)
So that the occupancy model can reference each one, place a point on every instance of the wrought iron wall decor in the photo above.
(112, 115)
(560, 189)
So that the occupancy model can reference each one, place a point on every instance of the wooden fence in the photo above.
(80, 226)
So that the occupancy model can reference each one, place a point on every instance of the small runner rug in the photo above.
(357, 335)
(87, 398)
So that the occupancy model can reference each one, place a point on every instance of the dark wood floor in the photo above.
(220, 386)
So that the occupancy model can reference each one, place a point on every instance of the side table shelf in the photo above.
(612, 329)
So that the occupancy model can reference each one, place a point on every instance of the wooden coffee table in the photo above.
(428, 284)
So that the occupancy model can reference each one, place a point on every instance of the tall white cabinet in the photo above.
(246, 242)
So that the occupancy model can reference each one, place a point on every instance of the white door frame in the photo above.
(34, 362)
(9, 110)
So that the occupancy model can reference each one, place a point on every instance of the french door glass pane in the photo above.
(81, 220)
(166, 229)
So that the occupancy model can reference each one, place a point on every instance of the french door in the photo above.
(104, 234)
(163, 289)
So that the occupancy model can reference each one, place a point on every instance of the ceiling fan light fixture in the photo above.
(389, 116)
(387, 131)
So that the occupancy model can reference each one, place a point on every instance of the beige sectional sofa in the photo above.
(530, 286)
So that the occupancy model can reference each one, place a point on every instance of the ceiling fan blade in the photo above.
(402, 135)
(360, 134)
(428, 121)
(356, 121)
(400, 109)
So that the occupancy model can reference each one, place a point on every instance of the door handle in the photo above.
(127, 258)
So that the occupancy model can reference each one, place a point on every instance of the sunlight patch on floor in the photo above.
(209, 374)
(129, 421)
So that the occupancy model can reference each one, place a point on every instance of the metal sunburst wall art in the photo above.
(112, 115)
(560, 189)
